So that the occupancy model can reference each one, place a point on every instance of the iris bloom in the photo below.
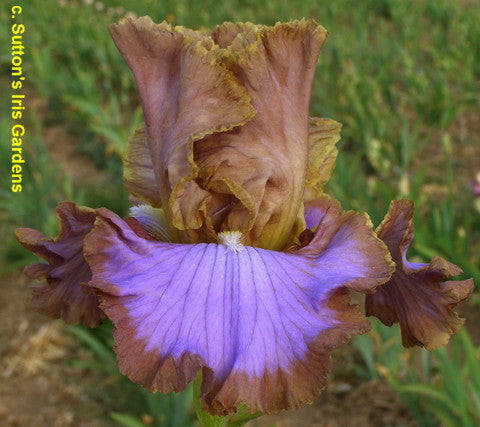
(234, 262)
(476, 185)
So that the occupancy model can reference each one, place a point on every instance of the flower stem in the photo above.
(237, 419)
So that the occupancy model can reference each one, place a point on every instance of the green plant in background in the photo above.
(45, 183)
(129, 402)
(446, 384)
(382, 355)
(397, 73)
(33, 205)
(439, 387)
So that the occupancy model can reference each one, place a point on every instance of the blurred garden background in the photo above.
(403, 76)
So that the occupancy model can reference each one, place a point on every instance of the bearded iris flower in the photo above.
(234, 262)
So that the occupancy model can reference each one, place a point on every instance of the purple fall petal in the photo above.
(252, 319)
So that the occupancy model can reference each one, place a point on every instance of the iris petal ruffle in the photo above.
(331, 230)
(266, 158)
(231, 143)
(63, 296)
(417, 297)
(260, 324)
(139, 177)
(323, 136)
(186, 94)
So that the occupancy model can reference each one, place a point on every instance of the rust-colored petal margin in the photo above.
(259, 324)
(348, 242)
(417, 297)
(63, 296)
(301, 383)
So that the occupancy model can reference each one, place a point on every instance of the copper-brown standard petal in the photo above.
(218, 168)
(417, 297)
(186, 94)
(138, 172)
(63, 296)
(263, 164)
(139, 177)
(322, 153)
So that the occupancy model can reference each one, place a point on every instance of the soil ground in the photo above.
(39, 385)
